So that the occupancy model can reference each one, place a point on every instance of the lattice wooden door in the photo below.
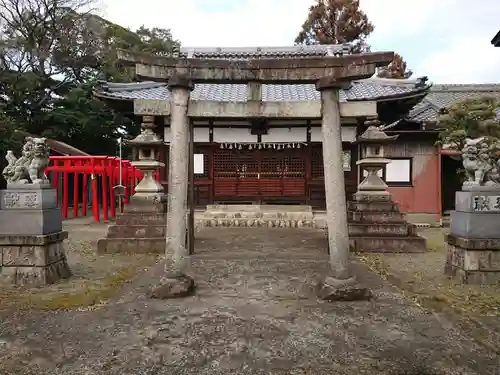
(270, 173)
(257, 174)
(225, 164)
(248, 174)
(294, 174)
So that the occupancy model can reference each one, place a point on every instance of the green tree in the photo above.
(9, 140)
(158, 41)
(51, 53)
(87, 123)
(335, 22)
(469, 118)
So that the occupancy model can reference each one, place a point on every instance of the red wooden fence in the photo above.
(103, 169)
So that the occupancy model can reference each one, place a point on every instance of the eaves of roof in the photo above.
(442, 96)
(363, 90)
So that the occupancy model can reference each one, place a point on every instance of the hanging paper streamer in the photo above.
(261, 146)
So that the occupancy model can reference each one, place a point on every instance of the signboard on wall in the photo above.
(199, 167)
(346, 160)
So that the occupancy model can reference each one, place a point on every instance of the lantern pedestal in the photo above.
(375, 221)
(141, 228)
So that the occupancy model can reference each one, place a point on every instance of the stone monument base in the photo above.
(477, 213)
(141, 228)
(474, 242)
(376, 225)
(33, 259)
(473, 261)
(29, 210)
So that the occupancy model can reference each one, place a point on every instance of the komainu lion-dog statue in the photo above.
(30, 167)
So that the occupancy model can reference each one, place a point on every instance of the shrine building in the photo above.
(273, 155)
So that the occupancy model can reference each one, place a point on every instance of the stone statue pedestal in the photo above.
(474, 241)
(31, 236)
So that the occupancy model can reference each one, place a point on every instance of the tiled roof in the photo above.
(242, 53)
(442, 96)
(368, 89)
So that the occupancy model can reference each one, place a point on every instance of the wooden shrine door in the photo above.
(259, 175)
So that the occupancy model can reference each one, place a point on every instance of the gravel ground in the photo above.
(422, 277)
(255, 312)
(95, 277)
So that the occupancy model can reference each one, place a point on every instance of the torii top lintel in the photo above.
(271, 71)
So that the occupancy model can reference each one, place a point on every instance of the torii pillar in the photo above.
(176, 281)
(340, 284)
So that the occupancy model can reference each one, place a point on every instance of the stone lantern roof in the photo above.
(375, 135)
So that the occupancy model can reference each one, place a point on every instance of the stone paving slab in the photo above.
(255, 312)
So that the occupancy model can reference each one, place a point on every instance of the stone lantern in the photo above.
(373, 161)
(146, 148)
(141, 226)
(376, 223)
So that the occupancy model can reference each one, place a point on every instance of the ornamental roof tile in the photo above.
(243, 53)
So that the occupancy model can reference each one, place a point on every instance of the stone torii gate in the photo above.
(329, 74)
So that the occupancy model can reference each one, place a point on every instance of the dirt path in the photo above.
(255, 312)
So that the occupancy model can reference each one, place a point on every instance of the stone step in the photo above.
(255, 223)
(382, 230)
(146, 219)
(445, 221)
(375, 244)
(372, 206)
(136, 231)
(257, 208)
(376, 217)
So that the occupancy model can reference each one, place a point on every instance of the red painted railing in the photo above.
(103, 173)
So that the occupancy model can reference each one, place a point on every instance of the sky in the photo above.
(447, 40)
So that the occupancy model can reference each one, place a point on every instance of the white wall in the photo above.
(236, 135)
(348, 134)
(277, 135)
